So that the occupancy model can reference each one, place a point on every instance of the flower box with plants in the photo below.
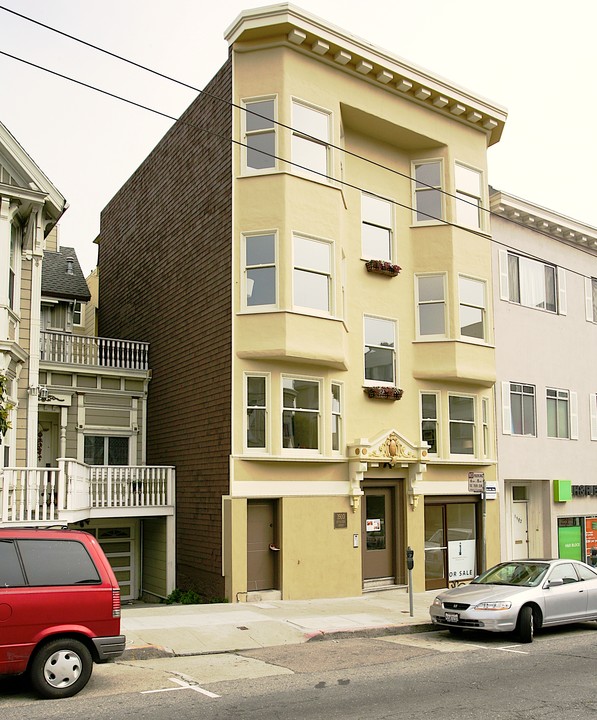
(386, 393)
(382, 267)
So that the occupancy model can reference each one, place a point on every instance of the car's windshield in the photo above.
(527, 574)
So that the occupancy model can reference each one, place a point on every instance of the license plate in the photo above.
(451, 617)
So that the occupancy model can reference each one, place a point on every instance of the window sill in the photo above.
(292, 458)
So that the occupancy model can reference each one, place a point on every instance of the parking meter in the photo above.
(410, 558)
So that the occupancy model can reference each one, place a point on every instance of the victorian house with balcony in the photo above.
(308, 251)
(74, 451)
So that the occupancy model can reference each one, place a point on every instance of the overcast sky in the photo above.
(536, 58)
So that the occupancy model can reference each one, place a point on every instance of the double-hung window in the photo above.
(380, 351)
(591, 299)
(562, 414)
(376, 228)
(431, 293)
(429, 421)
(462, 424)
(260, 134)
(469, 195)
(472, 308)
(12, 267)
(105, 450)
(311, 136)
(260, 270)
(428, 202)
(531, 283)
(312, 277)
(520, 400)
(336, 416)
(300, 413)
(256, 412)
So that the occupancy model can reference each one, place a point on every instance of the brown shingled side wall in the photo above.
(165, 278)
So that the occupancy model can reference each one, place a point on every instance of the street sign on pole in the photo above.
(476, 481)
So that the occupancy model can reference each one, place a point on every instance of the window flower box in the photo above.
(386, 393)
(382, 267)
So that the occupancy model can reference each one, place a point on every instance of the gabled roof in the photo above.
(56, 279)
(21, 178)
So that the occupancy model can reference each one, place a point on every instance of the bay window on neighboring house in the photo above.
(472, 308)
(260, 135)
(376, 228)
(380, 351)
(591, 299)
(431, 304)
(312, 275)
(300, 413)
(106, 450)
(461, 411)
(469, 197)
(519, 411)
(562, 414)
(430, 421)
(336, 398)
(260, 270)
(311, 139)
(532, 283)
(256, 437)
(427, 191)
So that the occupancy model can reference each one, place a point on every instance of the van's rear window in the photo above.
(11, 574)
(57, 562)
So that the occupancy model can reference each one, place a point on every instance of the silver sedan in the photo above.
(520, 596)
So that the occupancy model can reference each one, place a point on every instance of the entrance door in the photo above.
(262, 558)
(520, 523)
(436, 547)
(378, 530)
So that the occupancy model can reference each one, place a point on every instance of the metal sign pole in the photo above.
(484, 549)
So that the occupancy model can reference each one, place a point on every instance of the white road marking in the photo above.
(183, 686)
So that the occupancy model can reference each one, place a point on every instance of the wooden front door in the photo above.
(262, 560)
(379, 561)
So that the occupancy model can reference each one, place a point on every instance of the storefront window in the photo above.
(450, 544)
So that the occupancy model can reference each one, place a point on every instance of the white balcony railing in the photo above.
(56, 347)
(45, 495)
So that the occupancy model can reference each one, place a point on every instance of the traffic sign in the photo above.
(476, 480)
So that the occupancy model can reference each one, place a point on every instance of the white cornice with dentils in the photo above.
(350, 53)
(546, 221)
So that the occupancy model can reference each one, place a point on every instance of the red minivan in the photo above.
(59, 608)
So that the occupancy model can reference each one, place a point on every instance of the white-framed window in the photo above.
(469, 196)
(311, 136)
(472, 307)
(376, 227)
(312, 274)
(260, 134)
(532, 283)
(519, 409)
(562, 414)
(77, 313)
(430, 421)
(259, 259)
(485, 421)
(256, 409)
(337, 424)
(431, 305)
(106, 450)
(301, 413)
(427, 191)
(12, 268)
(593, 412)
(380, 351)
(461, 411)
(591, 299)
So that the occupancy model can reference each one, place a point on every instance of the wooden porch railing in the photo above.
(58, 347)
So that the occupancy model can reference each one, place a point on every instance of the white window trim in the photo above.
(332, 277)
(302, 452)
(245, 169)
(482, 227)
(468, 338)
(589, 300)
(573, 426)
(268, 434)
(243, 289)
(441, 188)
(381, 383)
(475, 424)
(341, 441)
(486, 447)
(418, 303)
(438, 433)
(560, 279)
(507, 408)
(328, 178)
(391, 227)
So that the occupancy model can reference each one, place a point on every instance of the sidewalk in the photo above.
(179, 630)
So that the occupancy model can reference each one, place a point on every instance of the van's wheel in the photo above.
(61, 668)
(525, 625)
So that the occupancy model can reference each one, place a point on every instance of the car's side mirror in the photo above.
(556, 582)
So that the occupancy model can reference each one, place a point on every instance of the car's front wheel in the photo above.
(61, 668)
(525, 626)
